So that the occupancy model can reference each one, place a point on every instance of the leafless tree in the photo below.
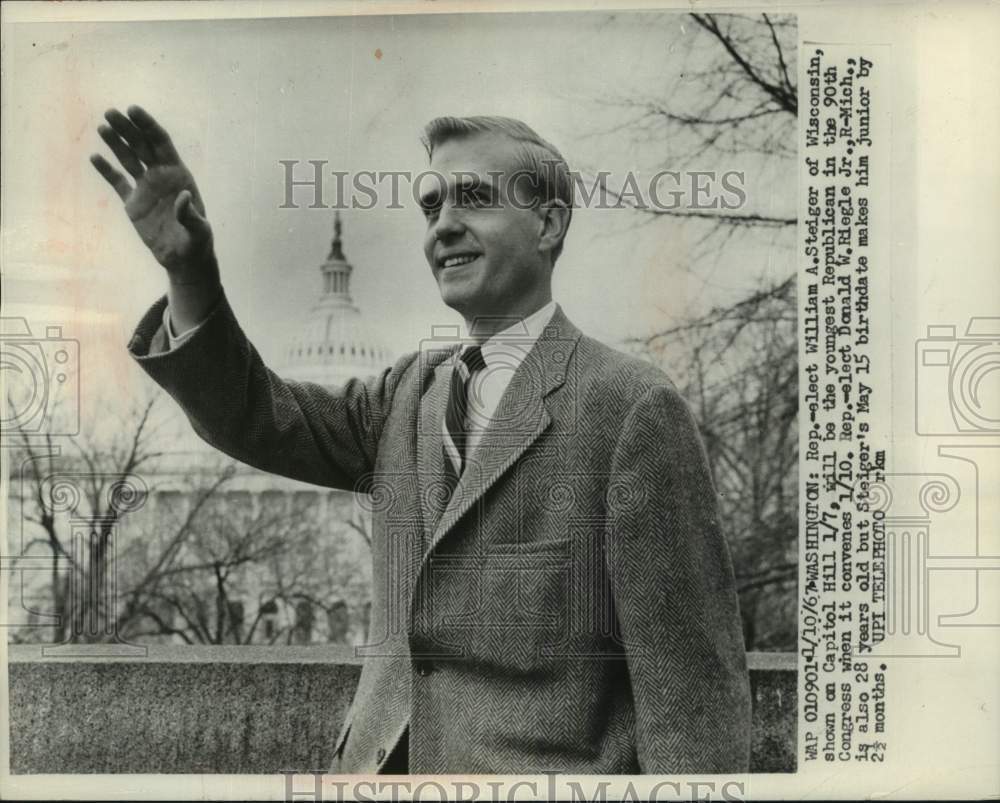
(736, 96)
(72, 498)
(120, 571)
(319, 574)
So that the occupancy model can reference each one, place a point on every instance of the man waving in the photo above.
(551, 589)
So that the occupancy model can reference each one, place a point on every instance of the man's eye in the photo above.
(474, 198)
(430, 210)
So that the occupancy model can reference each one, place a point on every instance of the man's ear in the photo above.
(555, 216)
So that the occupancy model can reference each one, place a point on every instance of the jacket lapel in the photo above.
(518, 421)
(430, 445)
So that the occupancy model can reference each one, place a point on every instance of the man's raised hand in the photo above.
(163, 203)
(166, 209)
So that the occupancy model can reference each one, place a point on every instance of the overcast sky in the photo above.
(238, 96)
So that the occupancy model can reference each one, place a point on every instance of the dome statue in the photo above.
(333, 343)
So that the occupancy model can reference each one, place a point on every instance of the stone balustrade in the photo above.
(244, 710)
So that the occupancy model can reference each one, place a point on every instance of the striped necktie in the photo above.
(456, 433)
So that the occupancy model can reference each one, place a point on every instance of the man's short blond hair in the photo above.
(537, 156)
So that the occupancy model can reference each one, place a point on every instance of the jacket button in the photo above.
(380, 754)
(424, 668)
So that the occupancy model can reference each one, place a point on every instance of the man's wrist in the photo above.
(193, 294)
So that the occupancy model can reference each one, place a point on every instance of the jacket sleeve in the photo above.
(236, 404)
(674, 595)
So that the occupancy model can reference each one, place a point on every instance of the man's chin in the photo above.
(457, 297)
(458, 302)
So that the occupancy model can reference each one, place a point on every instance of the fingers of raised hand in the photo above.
(123, 150)
(130, 134)
(137, 140)
(112, 176)
(155, 135)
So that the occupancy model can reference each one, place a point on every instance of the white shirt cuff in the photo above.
(176, 340)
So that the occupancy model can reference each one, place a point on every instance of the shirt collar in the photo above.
(512, 344)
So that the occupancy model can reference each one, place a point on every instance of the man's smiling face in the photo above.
(482, 247)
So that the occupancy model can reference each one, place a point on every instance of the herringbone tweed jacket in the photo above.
(571, 607)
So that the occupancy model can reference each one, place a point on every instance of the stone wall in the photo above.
(244, 710)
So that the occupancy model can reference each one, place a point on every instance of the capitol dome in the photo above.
(333, 343)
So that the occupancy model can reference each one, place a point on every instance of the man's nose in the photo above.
(449, 222)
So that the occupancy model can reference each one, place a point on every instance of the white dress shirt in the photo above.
(503, 353)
